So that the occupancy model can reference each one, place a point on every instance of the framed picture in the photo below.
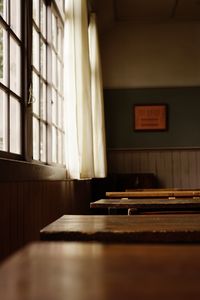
(150, 117)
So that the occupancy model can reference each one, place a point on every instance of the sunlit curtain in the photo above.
(84, 115)
(98, 123)
(78, 119)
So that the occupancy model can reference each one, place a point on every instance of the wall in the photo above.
(153, 63)
(28, 202)
(151, 55)
(183, 118)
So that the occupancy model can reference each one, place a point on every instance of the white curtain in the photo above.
(77, 78)
(99, 144)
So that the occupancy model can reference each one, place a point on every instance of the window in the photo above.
(47, 87)
(31, 75)
(10, 77)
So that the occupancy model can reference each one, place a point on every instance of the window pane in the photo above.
(15, 67)
(43, 142)
(3, 56)
(43, 67)
(3, 121)
(15, 16)
(60, 112)
(54, 107)
(54, 31)
(54, 69)
(35, 87)
(43, 108)
(4, 9)
(54, 144)
(36, 10)
(60, 40)
(15, 126)
(43, 18)
(35, 55)
(60, 148)
(35, 139)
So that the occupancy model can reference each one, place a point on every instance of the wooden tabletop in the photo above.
(154, 194)
(148, 204)
(88, 271)
(125, 229)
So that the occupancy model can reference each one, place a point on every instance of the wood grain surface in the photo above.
(88, 271)
(154, 193)
(184, 228)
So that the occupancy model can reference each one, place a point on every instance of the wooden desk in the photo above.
(125, 229)
(149, 204)
(155, 194)
(88, 271)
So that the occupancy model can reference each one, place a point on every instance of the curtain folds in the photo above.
(98, 122)
(81, 137)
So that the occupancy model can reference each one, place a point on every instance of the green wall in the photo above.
(183, 117)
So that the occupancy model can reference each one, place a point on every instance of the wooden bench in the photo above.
(149, 205)
(156, 194)
(88, 271)
(125, 229)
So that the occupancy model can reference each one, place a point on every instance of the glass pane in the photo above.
(43, 142)
(15, 67)
(54, 69)
(54, 144)
(15, 126)
(36, 139)
(36, 11)
(35, 56)
(35, 87)
(3, 56)
(59, 76)
(60, 111)
(43, 64)
(43, 18)
(60, 147)
(54, 107)
(4, 9)
(3, 121)
(60, 41)
(15, 16)
(43, 96)
(54, 31)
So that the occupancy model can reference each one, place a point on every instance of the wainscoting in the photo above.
(27, 206)
(178, 168)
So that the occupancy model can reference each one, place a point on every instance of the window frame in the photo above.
(6, 87)
(26, 131)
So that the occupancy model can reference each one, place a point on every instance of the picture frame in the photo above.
(150, 117)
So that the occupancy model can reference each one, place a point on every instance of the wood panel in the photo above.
(182, 228)
(88, 271)
(26, 207)
(175, 168)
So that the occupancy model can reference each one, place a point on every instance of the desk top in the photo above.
(126, 229)
(154, 194)
(88, 271)
(148, 203)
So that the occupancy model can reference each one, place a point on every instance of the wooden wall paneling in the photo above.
(136, 162)
(32, 211)
(128, 161)
(185, 169)
(178, 168)
(4, 220)
(16, 212)
(144, 161)
(193, 180)
(198, 168)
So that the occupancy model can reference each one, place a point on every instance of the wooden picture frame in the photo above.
(150, 117)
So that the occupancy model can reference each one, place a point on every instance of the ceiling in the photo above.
(140, 11)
